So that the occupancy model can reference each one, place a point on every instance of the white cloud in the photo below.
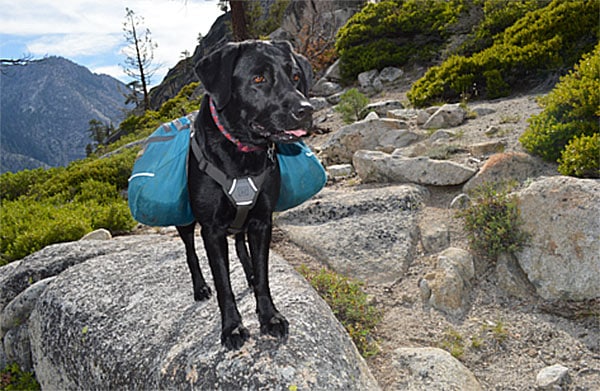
(91, 32)
(112, 70)
(72, 45)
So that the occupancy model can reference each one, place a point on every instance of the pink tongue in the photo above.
(297, 132)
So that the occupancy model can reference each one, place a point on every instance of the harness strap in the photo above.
(242, 192)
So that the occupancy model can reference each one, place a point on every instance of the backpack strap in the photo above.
(242, 192)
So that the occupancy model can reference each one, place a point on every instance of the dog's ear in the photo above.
(215, 72)
(307, 72)
(305, 66)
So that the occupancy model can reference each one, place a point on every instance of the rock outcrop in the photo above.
(503, 168)
(376, 166)
(447, 287)
(368, 134)
(562, 258)
(367, 234)
(420, 369)
(120, 315)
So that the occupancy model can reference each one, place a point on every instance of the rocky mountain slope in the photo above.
(45, 111)
(523, 322)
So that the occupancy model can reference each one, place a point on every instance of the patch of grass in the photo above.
(510, 119)
(349, 304)
(13, 378)
(490, 336)
(453, 342)
(498, 332)
(476, 342)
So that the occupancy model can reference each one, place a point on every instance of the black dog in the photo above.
(256, 96)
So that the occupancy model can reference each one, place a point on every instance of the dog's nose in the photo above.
(302, 111)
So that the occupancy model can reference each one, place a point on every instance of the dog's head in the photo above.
(260, 90)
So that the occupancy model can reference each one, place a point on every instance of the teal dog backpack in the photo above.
(302, 175)
(158, 194)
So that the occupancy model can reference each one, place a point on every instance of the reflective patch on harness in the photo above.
(243, 191)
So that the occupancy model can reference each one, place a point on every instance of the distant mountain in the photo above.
(45, 109)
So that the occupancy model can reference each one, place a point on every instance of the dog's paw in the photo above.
(234, 339)
(202, 293)
(277, 326)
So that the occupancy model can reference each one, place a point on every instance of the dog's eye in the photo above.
(259, 79)
(296, 77)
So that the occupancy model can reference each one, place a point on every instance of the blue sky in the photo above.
(90, 32)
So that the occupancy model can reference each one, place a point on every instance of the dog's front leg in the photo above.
(271, 321)
(201, 289)
(233, 333)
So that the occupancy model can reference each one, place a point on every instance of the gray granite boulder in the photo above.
(376, 166)
(503, 168)
(122, 316)
(369, 234)
(447, 116)
(370, 134)
(425, 369)
(447, 287)
(562, 258)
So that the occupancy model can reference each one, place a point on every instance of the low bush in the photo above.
(544, 42)
(351, 104)
(29, 225)
(14, 185)
(571, 110)
(394, 32)
(581, 157)
(493, 222)
(498, 15)
(349, 304)
(69, 203)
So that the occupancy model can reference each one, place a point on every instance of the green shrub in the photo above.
(28, 226)
(571, 110)
(351, 104)
(94, 190)
(115, 170)
(581, 157)
(497, 16)
(394, 32)
(13, 378)
(349, 304)
(69, 203)
(114, 217)
(493, 222)
(543, 42)
(14, 185)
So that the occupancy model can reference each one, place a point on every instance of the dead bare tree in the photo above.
(139, 61)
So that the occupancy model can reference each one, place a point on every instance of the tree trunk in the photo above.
(238, 20)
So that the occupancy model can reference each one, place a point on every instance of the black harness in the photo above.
(242, 192)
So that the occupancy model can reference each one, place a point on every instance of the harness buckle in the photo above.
(243, 191)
